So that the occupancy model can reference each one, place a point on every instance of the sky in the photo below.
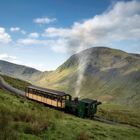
(45, 33)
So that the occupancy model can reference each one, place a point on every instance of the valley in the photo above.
(27, 120)
(110, 75)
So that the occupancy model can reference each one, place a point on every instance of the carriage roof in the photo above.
(46, 90)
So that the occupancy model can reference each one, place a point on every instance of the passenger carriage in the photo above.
(47, 96)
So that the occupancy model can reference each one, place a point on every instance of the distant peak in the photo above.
(98, 57)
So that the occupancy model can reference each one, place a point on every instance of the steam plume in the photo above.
(82, 65)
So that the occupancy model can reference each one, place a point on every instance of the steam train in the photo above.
(60, 100)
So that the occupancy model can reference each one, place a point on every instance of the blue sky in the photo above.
(44, 33)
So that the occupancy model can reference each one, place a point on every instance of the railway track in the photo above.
(97, 118)
(6, 86)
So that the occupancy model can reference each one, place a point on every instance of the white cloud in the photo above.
(6, 57)
(32, 41)
(14, 59)
(121, 22)
(4, 36)
(44, 20)
(54, 32)
(58, 45)
(40, 66)
(17, 29)
(28, 41)
(33, 35)
(14, 29)
(23, 32)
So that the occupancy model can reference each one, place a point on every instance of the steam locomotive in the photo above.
(60, 100)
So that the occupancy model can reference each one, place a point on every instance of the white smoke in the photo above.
(81, 70)
(106, 29)
(82, 65)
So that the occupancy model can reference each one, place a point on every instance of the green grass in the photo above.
(23, 119)
(29, 120)
(122, 89)
(120, 114)
(111, 76)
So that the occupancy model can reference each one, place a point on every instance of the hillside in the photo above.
(18, 71)
(27, 120)
(110, 75)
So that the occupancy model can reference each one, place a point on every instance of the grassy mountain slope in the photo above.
(110, 75)
(27, 120)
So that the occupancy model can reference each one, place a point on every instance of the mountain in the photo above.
(18, 71)
(110, 75)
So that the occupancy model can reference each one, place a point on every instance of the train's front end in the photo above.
(87, 108)
(82, 108)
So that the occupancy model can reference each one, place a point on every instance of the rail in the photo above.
(5, 85)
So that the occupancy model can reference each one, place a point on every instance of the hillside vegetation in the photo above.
(111, 76)
(27, 120)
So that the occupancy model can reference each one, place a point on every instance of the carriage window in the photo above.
(54, 98)
(45, 95)
(64, 97)
(48, 96)
(42, 95)
(33, 91)
(38, 93)
(59, 99)
(30, 90)
(67, 97)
